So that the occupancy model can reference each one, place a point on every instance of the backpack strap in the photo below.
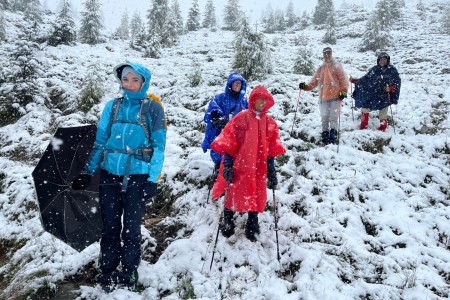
(114, 112)
(143, 118)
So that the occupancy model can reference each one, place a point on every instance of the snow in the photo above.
(370, 221)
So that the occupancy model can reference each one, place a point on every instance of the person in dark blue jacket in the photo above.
(129, 150)
(377, 90)
(221, 109)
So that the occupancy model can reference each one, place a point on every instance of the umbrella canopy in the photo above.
(70, 215)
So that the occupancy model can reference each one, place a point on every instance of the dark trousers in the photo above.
(121, 239)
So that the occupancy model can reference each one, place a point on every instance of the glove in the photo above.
(228, 173)
(81, 181)
(228, 168)
(302, 85)
(342, 95)
(390, 88)
(218, 120)
(353, 80)
(149, 190)
(272, 180)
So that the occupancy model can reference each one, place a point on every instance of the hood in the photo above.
(260, 91)
(232, 78)
(381, 55)
(142, 93)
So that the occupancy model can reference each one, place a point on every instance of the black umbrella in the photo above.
(70, 215)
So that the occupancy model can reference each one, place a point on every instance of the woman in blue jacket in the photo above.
(129, 149)
(221, 109)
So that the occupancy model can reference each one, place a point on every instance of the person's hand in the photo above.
(81, 181)
(149, 190)
(272, 180)
(228, 173)
(390, 88)
(302, 85)
(342, 95)
(218, 120)
(353, 80)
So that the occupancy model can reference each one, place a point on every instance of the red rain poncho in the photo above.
(250, 140)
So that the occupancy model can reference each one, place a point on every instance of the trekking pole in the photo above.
(275, 211)
(390, 106)
(296, 109)
(211, 182)
(217, 234)
(339, 126)
(217, 238)
(351, 96)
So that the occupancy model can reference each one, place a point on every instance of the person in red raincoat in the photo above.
(249, 143)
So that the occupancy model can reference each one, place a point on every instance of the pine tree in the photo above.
(251, 54)
(20, 86)
(376, 36)
(63, 29)
(91, 23)
(177, 17)
(321, 11)
(303, 63)
(193, 21)
(33, 10)
(268, 19)
(305, 20)
(136, 26)
(92, 91)
(123, 32)
(161, 27)
(388, 11)
(421, 10)
(2, 25)
(232, 15)
(330, 34)
(446, 21)
(209, 20)
(291, 17)
(280, 23)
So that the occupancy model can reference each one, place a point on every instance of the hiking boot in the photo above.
(383, 125)
(325, 137)
(333, 136)
(364, 121)
(106, 281)
(127, 280)
(227, 227)
(252, 227)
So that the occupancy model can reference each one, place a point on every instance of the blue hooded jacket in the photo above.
(370, 90)
(127, 134)
(226, 105)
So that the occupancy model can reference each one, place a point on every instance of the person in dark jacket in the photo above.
(377, 90)
(221, 109)
(131, 161)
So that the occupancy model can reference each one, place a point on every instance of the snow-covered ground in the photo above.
(367, 220)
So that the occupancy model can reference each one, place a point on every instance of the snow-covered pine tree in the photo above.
(330, 34)
(232, 15)
(209, 19)
(290, 16)
(2, 25)
(421, 10)
(376, 35)
(161, 27)
(321, 11)
(193, 20)
(268, 19)
(251, 53)
(33, 10)
(177, 17)
(446, 20)
(280, 23)
(387, 11)
(92, 91)
(303, 63)
(123, 32)
(5, 4)
(20, 87)
(136, 26)
(305, 20)
(91, 23)
(63, 28)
